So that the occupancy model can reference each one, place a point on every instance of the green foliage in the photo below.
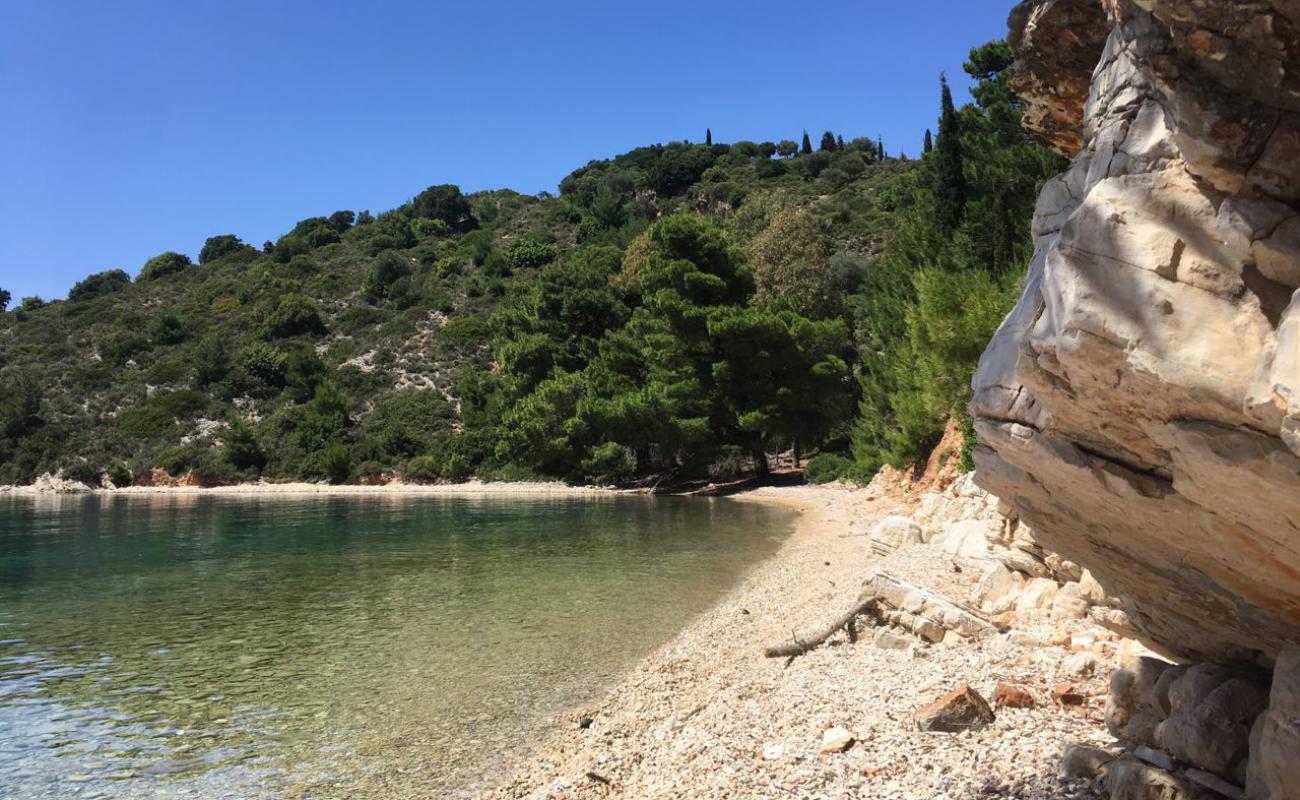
(265, 365)
(529, 254)
(929, 306)
(382, 279)
(792, 267)
(218, 247)
(241, 448)
(168, 263)
(325, 418)
(211, 363)
(604, 334)
(98, 284)
(293, 315)
(167, 329)
(950, 183)
(827, 467)
(445, 203)
(5, 298)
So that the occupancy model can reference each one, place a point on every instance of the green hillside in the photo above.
(679, 310)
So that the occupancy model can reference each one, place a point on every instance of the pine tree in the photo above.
(929, 141)
(839, 143)
(828, 142)
(880, 148)
(950, 188)
(806, 147)
(708, 136)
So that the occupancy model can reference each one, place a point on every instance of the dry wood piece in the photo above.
(847, 623)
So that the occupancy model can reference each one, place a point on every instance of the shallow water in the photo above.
(183, 646)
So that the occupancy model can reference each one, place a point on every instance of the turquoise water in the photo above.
(187, 646)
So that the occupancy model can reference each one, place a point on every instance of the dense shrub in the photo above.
(293, 315)
(98, 284)
(446, 203)
(217, 247)
(385, 271)
(167, 329)
(163, 264)
(529, 254)
(826, 467)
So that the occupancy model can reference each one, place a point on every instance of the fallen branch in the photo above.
(847, 623)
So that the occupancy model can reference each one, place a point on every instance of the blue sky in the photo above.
(131, 128)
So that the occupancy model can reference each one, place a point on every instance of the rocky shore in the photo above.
(931, 698)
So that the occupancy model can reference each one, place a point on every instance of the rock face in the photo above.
(1140, 406)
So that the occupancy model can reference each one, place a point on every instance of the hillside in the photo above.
(680, 311)
(217, 367)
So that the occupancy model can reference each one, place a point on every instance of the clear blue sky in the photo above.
(130, 128)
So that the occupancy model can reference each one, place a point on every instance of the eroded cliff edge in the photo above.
(1140, 406)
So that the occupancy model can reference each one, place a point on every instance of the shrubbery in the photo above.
(168, 263)
(98, 284)
(827, 467)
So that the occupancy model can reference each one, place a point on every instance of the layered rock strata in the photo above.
(1140, 406)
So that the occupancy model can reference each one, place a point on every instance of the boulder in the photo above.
(1212, 730)
(967, 538)
(1274, 769)
(1130, 779)
(1140, 405)
(894, 532)
(922, 611)
(1069, 603)
(999, 589)
(961, 709)
(1084, 761)
(1037, 596)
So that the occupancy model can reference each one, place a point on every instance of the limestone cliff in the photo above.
(1140, 406)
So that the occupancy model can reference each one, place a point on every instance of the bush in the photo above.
(98, 284)
(528, 254)
(211, 362)
(826, 467)
(217, 247)
(167, 263)
(123, 347)
(294, 314)
(333, 463)
(242, 449)
(265, 364)
(120, 475)
(445, 202)
(386, 270)
(167, 329)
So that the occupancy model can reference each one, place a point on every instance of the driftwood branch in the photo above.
(848, 623)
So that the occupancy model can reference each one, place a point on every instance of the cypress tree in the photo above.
(839, 143)
(929, 141)
(950, 187)
(880, 148)
(828, 142)
(806, 147)
(708, 136)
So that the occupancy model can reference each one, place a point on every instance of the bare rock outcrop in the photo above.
(1140, 406)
